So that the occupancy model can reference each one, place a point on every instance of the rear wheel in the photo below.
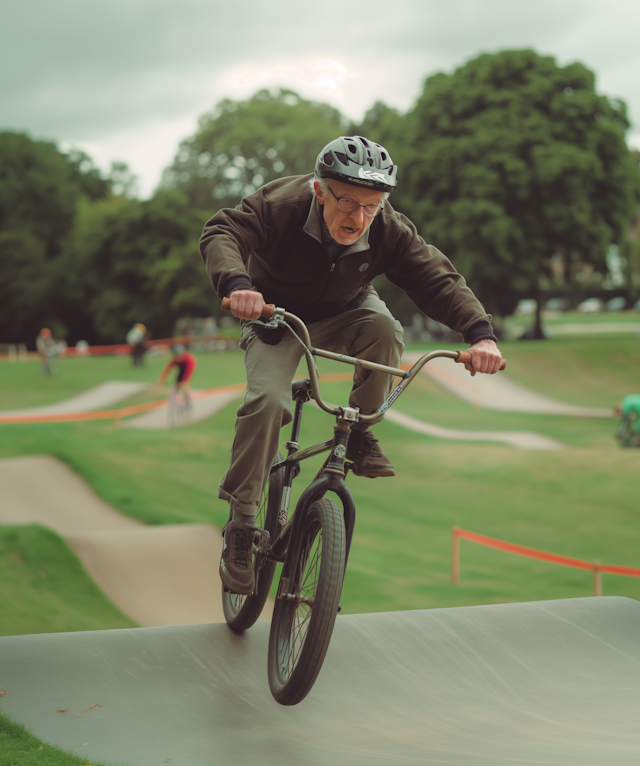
(242, 611)
(303, 618)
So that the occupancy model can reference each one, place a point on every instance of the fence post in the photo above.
(455, 556)
(597, 579)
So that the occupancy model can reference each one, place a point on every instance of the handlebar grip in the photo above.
(267, 312)
(464, 357)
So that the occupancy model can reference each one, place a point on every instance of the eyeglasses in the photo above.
(348, 205)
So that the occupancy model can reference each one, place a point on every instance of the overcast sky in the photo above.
(128, 79)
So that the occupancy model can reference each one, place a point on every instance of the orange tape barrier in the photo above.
(136, 409)
(123, 412)
(125, 348)
(520, 550)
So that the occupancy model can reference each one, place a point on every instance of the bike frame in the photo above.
(331, 478)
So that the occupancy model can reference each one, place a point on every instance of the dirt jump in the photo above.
(161, 575)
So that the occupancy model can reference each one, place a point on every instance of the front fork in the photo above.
(331, 480)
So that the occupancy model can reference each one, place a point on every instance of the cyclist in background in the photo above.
(313, 244)
(186, 363)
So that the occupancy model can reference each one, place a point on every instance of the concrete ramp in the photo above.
(552, 683)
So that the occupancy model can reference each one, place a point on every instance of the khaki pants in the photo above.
(369, 332)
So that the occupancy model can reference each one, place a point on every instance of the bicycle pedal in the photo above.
(261, 540)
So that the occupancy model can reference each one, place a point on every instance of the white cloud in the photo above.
(126, 80)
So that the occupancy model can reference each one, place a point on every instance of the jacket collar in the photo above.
(315, 222)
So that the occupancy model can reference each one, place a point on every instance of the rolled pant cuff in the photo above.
(248, 509)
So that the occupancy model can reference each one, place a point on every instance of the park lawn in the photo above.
(22, 385)
(585, 371)
(579, 502)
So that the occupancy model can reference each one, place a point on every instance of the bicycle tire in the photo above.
(301, 632)
(240, 611)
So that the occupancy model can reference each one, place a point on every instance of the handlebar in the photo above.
(282, 317)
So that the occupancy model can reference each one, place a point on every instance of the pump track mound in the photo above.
(554, 683)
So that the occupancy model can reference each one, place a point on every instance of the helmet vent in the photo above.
(328, 159)
(364, 141)
(353, 149)
(343, 158)
(383, 156)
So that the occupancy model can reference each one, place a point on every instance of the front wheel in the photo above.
(241, 612)
(303, 618)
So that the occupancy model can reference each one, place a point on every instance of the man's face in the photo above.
(346, 228)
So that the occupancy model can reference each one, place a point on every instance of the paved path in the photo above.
(520, 439)
(549, 682)
(205, 407)
(498, 392)
(95, 398)
(160, 575)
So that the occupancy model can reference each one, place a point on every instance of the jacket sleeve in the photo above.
(229, 238)
(432, 283)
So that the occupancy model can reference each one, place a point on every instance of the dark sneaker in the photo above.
(368, 459)
(236, 565)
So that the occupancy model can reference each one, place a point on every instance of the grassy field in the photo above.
(581, 501)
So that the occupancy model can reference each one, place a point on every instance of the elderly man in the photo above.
(312, 244)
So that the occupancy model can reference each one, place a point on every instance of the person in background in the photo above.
(628, 411)
(48, 350)
(137, 337)
(186, 363)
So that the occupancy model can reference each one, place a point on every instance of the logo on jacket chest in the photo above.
(363, 267)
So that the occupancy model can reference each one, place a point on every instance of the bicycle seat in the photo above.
(301, 390)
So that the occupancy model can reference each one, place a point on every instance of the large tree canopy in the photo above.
(511, 163)
(242, 145)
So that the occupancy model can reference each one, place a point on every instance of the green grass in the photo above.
(45, 588)
(590, 372)
(579, 502)
(18, 747)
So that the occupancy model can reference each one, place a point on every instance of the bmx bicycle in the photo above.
(180, 407)
(313, 542)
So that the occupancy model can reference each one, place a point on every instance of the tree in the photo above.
(24, 287)
(242, 145)
(38, 192)
(513, 161)
(129, 261)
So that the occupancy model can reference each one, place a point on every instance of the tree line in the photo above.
(515, 167)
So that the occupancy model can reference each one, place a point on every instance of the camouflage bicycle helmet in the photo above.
(358, 161)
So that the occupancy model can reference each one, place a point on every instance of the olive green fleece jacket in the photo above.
(273, 242)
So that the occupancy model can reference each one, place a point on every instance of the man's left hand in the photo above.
(485, 356)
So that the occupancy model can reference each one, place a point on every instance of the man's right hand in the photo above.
(246, 304)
